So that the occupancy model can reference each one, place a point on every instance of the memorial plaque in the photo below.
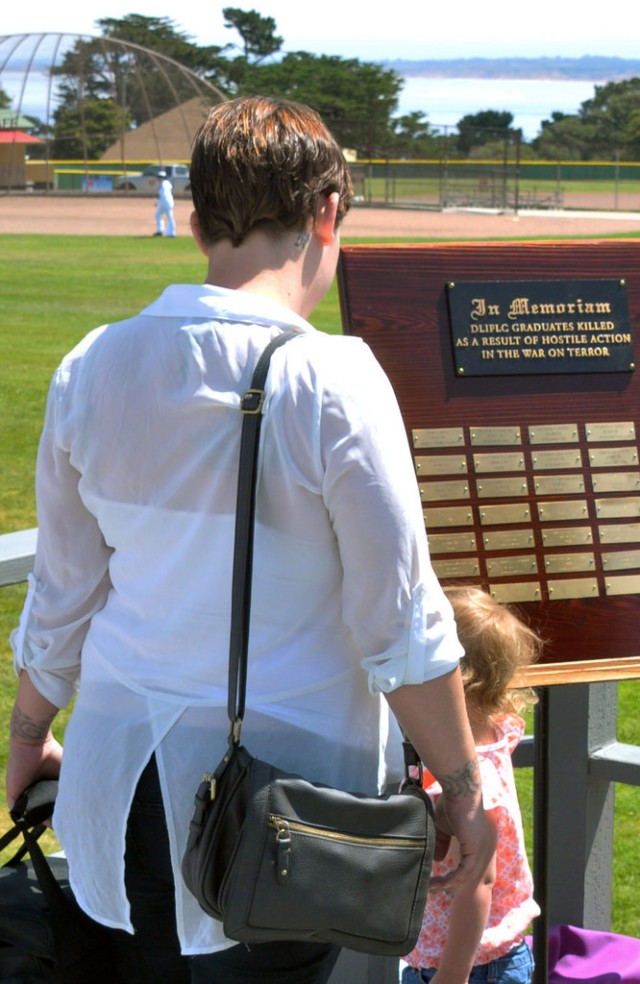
(623, 585)
(552, 512)
(569, 562)
(619, 533)
(461, 568)
(510, 594)
(440, 464)
(504, 514)
(438, 437)
(452, 543)
(443, 491)
(577, 587)
(515, 566)
(612, 457)
(622, 560)
(553, 434)
(616, 482)
(502, 488)
(495, 435)
(543, 327)
(572, 536)
(508, 539)
(559, 485)
(614, 431)
(507, 462)
(451, 516)
(550, 460)
(563, 427)
(616, 508)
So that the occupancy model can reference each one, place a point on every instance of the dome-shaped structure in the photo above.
(82, 111)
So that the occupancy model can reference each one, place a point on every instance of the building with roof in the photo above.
(13, 155)
(164, 138)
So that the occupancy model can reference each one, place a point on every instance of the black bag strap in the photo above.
(28, 813)
(251, 406)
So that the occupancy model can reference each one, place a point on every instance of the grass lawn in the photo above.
(55, 289)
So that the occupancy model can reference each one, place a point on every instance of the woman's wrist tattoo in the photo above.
(26, 728)
(464, 782)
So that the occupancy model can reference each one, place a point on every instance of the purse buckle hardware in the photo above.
(235, 727)
(252, 401)
(212, 783)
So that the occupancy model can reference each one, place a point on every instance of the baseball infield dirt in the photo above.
(111, 216)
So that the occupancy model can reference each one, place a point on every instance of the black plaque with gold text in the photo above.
(540, 326)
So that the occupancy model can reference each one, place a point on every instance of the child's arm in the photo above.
(469, 915)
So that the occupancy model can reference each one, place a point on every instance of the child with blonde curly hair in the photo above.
(477, 935)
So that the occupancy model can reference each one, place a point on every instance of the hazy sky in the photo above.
(373, 31)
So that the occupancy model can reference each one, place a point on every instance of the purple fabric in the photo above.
(592, 957)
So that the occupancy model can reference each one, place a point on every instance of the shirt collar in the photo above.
(218, 303)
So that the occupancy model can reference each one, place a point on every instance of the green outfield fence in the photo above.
(429, 184)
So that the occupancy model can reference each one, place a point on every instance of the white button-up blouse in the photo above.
(130, 596)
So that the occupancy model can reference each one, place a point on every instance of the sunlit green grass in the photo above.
(55, 289)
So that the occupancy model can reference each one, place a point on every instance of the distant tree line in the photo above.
(105, 90)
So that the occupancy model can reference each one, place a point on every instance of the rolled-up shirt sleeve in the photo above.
(392, 600)
(70, 580)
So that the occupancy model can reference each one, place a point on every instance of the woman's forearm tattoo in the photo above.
(464, 782)
(26, 728)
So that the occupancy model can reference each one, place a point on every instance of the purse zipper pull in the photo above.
(283, 851)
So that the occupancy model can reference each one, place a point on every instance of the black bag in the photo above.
(44, 935)
(274, 857)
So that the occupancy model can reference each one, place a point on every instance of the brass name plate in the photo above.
(452, 543)
(503, 515)
(616, 482)
(623, 585)
(553, 434)
(441, 464)
(539, 327)
(438, 437)
(614, 431)
(611, 457)
(622, 560)
(559, 485)
(518, 566)
(550, 512)
(502, 488)
(508, 461)
(567, 563)
(451, 516)
(620, 533)
(496, 436)
(456, 568)
(574, 587)
(508, 594)
(572, 536)
(443, 491)
(508, 539)
(616, 508)
(549, 460)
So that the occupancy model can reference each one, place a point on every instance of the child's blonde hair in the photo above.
(497, 644)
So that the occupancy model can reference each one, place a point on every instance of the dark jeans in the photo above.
(153, 953)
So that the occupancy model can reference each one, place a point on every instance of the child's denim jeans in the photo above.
(516, 967)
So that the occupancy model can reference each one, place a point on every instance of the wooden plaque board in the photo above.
(530, 482)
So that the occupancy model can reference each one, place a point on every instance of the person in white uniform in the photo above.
(165, 219)
(128, 605)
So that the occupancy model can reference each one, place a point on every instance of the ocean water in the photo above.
(445, 101)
